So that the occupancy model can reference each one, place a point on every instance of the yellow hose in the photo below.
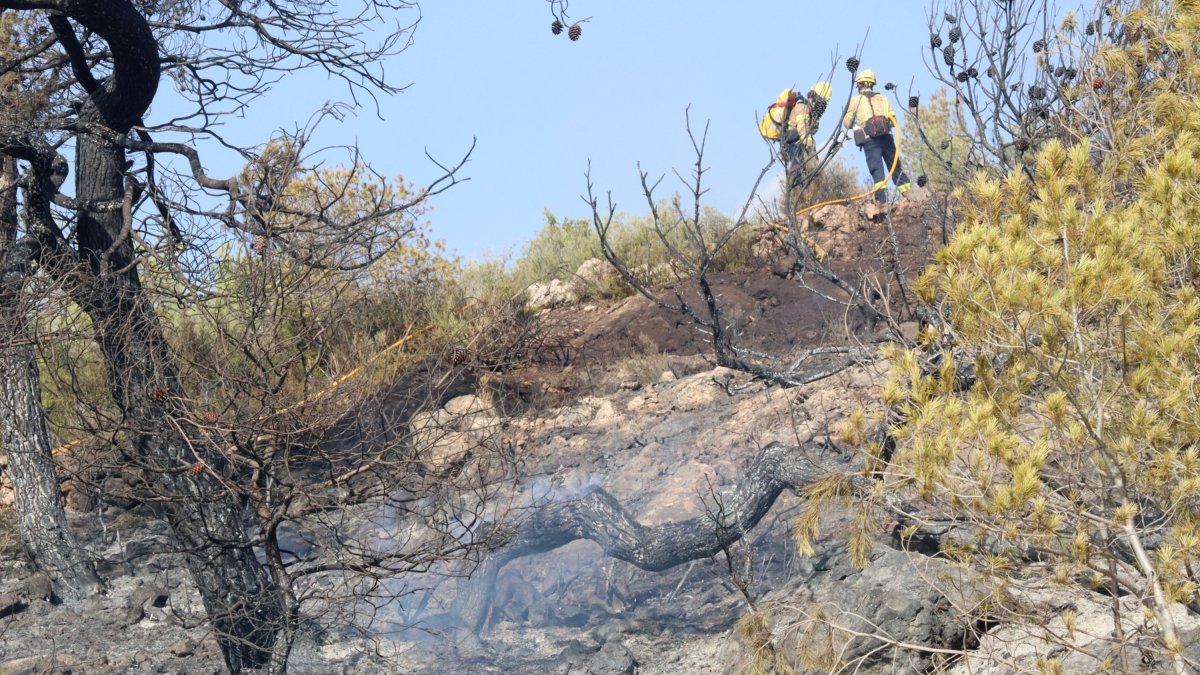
(845, 200)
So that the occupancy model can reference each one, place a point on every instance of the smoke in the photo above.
(557, 488)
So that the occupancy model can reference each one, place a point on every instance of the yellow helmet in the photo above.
(865, 77)
(823, 89)
(786, 96)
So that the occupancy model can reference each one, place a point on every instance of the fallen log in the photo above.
(599, 517)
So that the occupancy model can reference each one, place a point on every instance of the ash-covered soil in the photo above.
(631, 405)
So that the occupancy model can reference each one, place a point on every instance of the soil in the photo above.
(627, 399)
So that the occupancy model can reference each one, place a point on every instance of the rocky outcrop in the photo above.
(891, 617)
(1077, 629)
(549, 295)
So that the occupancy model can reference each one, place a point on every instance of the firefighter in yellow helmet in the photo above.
(793, 121)
(873, 114)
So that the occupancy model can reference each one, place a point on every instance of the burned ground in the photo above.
(623, 397)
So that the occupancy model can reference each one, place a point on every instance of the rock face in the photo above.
(841, 619)
(549, 295)
(638, 411)
(1077, 629)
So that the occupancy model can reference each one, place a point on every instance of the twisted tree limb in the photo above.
(599, 517)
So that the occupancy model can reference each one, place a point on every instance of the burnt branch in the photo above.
(693, 251)
(600, 518)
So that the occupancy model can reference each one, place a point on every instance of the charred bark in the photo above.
(41, 519)
(242, 603)
(599, 517)
(102, 277)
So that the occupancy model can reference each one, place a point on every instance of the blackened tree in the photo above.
(105, 62)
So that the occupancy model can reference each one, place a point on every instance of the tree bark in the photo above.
(598, 517)
(41, 519)
(243, 605)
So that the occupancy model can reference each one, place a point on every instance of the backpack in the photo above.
(877, 125)
(773, 121)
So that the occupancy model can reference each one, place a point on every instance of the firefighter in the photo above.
(873, 115)
(793, 122)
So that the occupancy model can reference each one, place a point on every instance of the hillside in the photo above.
(627, 404)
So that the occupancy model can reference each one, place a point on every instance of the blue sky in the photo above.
(541, 106)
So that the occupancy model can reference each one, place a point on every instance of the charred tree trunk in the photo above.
(598, 517)
(243, 605)
(41, 519)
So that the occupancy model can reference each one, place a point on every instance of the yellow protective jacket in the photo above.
(800, 124)
(863, 108)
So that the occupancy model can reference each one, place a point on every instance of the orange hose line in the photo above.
(846, 200)
(320, 393)
(338, 382)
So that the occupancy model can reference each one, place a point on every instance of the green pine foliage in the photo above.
(1072, 298)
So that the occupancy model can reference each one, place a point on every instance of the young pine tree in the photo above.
(1055, 414)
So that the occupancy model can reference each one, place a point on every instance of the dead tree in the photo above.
(598, 517)
(1018, 76)
(105, 62)
(693, 251)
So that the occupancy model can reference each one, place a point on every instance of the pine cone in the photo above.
(457, 356)
(818, 105)
(1092, 27)
(1039, 46)
(1036, 93)
(196, 469)
(948, 55)
(574, 32)
(955, 34)
(1069, 74)
(972, 73)
(913, 102)
(159, 394)
(1097, 82)
(945, 144)
(260, 244)
(210, 417)
(991, 72)
(922, 180)
(935, 40)
(1058, 72)
(556, 27)
(890, 86)
(1022, 144)
(852, 64)
(950, 18)
(963, 76)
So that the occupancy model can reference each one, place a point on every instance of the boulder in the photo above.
(1043, 634)
(612, 659)
(904, 596)
(540, 296)
(593, 275)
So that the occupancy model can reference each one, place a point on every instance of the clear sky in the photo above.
(541, 106)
